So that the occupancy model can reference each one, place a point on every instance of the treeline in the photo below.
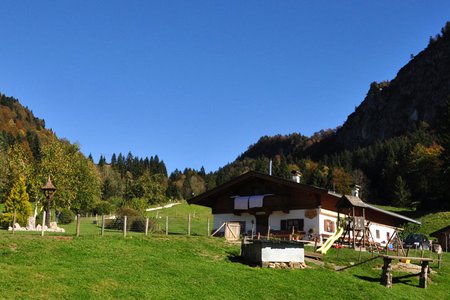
(128, 177)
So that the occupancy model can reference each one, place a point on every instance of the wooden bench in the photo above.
(386, 276)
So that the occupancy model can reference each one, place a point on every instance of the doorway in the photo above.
(262, 223)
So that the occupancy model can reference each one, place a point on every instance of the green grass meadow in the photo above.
(161, 267)
(177, 266)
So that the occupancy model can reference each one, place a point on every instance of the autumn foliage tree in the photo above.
(75, 176)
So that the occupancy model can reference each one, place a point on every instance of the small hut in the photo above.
(443, 236)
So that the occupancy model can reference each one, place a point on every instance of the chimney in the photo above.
(296, 176)
(355, 190)
(270, 167)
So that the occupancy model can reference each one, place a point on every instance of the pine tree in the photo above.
(101, 161)
(402, 194)
(113, 160)
(18, 203)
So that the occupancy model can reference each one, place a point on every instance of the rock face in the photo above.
(417, 94)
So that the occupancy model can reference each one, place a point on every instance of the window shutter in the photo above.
(301, 224)
(283, 225)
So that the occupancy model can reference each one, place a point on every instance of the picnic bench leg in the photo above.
(386, 276)
(423, 275)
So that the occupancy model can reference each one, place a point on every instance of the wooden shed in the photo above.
(443, 236)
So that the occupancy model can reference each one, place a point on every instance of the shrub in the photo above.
(110, 224)
(135, 222)
(139, 204)
(125, 211)
(138, 224)
(66, 216)
(103, 208)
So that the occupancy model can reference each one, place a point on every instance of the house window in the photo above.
(328, 226)
(288, 224)
(377, 233)
(388, 236)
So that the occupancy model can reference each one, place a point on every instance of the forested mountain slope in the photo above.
(395, 144)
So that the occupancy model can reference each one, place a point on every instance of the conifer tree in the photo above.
(101, 161)
(401, 192)
(17, 203)
(113, 160)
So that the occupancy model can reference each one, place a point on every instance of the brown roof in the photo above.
(49, 185)
(352, 200)
(442, 230)
(209, 195)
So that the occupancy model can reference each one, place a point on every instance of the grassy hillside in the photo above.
(434, 221)
(431, 221)
(178, 218)
(183, 267)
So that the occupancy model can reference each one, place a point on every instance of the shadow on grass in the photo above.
(236, 258)
(416, 214)
(398, 279)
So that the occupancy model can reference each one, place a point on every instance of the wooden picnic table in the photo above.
(386, 276)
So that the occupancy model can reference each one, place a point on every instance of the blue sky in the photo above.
(197, 82)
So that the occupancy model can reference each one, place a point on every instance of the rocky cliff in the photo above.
(418, 94)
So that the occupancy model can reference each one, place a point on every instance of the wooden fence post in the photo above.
(103, 225)
(146, 226)
(268, 233)
(78, 224)
(208, 228)
(43, 223)
(124, 226)
(189, 224)
(14, 222)
(167, 225)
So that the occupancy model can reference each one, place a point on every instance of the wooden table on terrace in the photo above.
(386, 276)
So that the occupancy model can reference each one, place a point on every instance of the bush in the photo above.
(135, 222)
(139, 204)
(110, 224)
(66, 216)
(103, 208)
(127, 211)
(5, 220)
(138, 224)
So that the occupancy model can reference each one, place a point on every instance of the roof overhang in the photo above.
(209, 197)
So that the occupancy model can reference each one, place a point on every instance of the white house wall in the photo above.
(384, 229)
(317, 223)
(276, 217)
